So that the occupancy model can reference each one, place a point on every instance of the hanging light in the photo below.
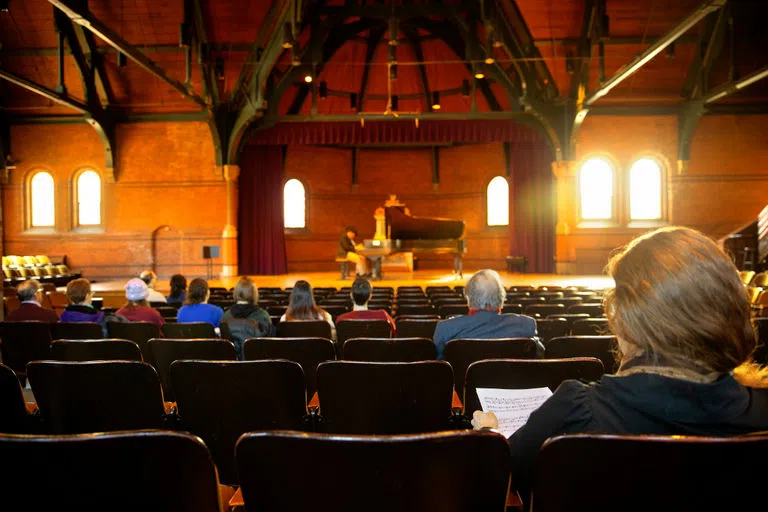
(435, 100)
(295, 58)
(465, 88)
(393, 72)
(353, 101)
(394, 103)
(308, 78)
(323, 90)
(393, 30)
(288, 40)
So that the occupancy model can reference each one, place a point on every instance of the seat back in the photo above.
(543, 310)
(670, 473)
(138, 332)
(304, 329)
(97, 396)
(416, 327)
(77, 331)
(95, 350)
(188, 330)
(308, 352)
(525, 374)
(421, 308)
(548, 328)
(462, 352)
(449, 310)
(238, 397)
(760, 355)
(603, 348)
(358, 328)
(593, 310)
(142, 470)
(590, 326)
(384, 398)
(446, 471)
(385, 350)
(23, 342)
(13, 412)
(167, 350)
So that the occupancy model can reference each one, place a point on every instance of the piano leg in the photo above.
(376, 268)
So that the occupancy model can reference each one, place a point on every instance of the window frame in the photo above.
(29, 203)
(497, 227)
(305, 229)
(616, 206)
(75, 188)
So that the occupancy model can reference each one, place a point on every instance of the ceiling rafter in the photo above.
(375, 37)
(413, 40)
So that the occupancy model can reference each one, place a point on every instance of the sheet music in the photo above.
(512, 406)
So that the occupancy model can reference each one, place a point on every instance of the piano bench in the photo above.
(344, 265)
(516, 262)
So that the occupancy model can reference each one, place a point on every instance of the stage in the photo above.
(112, 291)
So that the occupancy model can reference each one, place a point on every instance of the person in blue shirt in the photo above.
(196, 307)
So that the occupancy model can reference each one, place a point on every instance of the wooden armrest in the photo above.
(32, 408)
(237, 499)
(514, 501)
(169, 407)
(314, 403)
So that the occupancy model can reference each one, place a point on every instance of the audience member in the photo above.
(31, 296)
(150, 278)
(137, 308)
(245, 319)
(485, 295)
(80, 309)
(361, 293)
(196, 307)
(682, 321)
(302, 307)
(178, 290)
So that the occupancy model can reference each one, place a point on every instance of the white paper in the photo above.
(512, 406)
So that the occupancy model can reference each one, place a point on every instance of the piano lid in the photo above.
(401, 225)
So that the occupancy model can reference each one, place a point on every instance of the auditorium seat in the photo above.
(304, 329)
(237, 397)
(308, 352)
(667, 473)
(383, 350)
(23, 342)
(600, 347)
(590, 326)
(422, 308)
(462, 352)
(95, 350)
(446, 471)
(548, 328)
(543, 310)
(167, 312)
(569, 318)
(188, 330)
(14, 417)
(450, 310)
(760, 355)
(384, 398)
(97, 396)
(416, 327)
(167, 350)
(359, 328)
(138, 332)
(593, 310)
(76, 331)
(525, 374)
(515, 308)
(138, 470)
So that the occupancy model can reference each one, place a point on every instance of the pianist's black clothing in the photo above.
(640, 403)
(345, 245)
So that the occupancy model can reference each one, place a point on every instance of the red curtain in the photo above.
(532, 208)
(261, 244)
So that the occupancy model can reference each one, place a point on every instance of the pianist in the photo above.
(349, 249)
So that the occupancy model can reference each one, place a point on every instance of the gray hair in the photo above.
(27, 290)
(485, 291)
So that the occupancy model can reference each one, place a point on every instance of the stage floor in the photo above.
(418, 278)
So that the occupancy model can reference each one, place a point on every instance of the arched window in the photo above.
(596, 189)
(645, 190)
(88, 199)
(497, 202)
(41, 200)
(294, 205)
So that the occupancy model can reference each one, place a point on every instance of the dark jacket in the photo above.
(28, 311)
(484, 325)
(245, 321)
(78, 313)
(641, 403)
(345, 245)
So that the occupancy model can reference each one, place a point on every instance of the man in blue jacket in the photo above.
(485, 295)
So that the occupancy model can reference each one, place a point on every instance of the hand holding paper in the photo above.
(512, 406)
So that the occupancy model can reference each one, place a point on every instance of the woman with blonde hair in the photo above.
(682, 320)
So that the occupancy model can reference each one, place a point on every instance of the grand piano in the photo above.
(398, 231)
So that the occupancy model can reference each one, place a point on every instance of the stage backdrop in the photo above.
(532, 212)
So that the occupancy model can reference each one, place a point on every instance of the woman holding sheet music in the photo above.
(682, 319)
